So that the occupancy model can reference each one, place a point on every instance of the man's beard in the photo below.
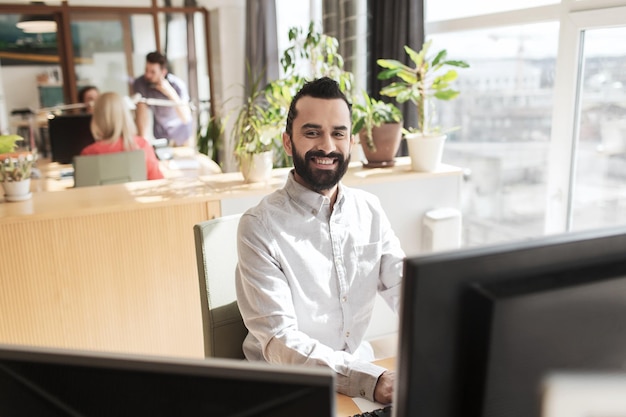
(319, 179)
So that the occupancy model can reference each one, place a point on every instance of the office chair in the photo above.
(216, 255)
(110, 168)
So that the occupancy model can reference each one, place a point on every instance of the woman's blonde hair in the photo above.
(112, 120)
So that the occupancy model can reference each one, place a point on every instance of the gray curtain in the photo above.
(394, 23)
(261, 41)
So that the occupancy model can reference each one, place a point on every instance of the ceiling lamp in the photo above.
(37, 23)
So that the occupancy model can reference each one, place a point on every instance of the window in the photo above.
(540, 113)
(599, 175)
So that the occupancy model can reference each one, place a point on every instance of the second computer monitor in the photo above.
(69, 134)
(482, 328)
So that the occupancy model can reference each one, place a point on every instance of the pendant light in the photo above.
(37, 23)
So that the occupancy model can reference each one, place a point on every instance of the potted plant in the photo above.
(310, 50)
(255, 138)
(208, 137)
(428, 80)
(15, 169)
(379, 127)
(261, 119)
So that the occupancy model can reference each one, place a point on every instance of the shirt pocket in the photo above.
(367, 262)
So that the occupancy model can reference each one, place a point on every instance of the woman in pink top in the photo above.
(114, 130)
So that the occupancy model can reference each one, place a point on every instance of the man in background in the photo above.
(166, 96)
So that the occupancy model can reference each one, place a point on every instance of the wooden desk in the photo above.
(186, 163)
(113, 268)
(345, 406)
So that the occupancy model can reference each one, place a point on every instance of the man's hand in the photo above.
(383, 393)
(184, 112)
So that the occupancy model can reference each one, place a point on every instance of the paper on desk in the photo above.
(367, 405)
(183, 164)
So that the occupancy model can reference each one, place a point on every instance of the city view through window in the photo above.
(504, 119)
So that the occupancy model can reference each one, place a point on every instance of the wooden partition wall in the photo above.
(116, 281)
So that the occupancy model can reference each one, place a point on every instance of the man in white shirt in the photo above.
(313, 255)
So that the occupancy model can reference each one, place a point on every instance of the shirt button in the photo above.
(344, 299)
(347, 334)
(362, 393)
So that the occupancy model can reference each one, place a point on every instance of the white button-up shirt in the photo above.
(307, 278)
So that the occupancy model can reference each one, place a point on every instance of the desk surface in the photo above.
(178, 187)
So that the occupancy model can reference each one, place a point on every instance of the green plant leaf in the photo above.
(408, 76)
(356, 127)
(446, 94)
(441, 56)
(393, 89)
(416, 57)
(390, 63)
(460, 64)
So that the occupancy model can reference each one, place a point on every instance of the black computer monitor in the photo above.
(481, 328)
(69, 134)
(52, 382)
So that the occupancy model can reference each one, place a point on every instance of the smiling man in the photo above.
(314, 254)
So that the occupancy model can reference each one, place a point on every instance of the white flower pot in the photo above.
(256, 167)
(17, 190)
(425, 151)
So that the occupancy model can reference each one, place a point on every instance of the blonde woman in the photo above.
(114, 130)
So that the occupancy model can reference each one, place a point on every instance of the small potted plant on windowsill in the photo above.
(15, 169)
(428, 80)
(255, 138)
(379, 126)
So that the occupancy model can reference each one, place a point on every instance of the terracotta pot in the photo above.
(425, 151)
(387, 139)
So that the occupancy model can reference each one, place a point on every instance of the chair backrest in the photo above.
(110, 168)
(216, 255)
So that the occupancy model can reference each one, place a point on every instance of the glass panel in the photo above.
(599, 193)
(453, 9)
(99, 43)
(291, 14)
(182, 56)
(504, 119)
(144, 42)
(174, 37)
(30, 78)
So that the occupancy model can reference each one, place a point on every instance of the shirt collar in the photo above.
(310, 199)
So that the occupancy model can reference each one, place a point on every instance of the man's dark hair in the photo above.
(324, 87)
(157, 58)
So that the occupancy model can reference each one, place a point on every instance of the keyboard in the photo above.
(381, 412)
